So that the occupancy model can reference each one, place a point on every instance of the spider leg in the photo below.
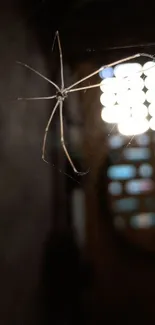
(55, 35)
(61, 61)
(63, 142)
(83, 88)
(46, 131)
(98, 70)
(39, 74)
(69, 89)
(110, 65)
(37, 98)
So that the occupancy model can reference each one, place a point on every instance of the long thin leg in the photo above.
(46, 131)
(61, 61)
(70, 90)
(63, 142)
(83, 88)
(109, 65)
(39, 74)
(98, 70)
(36, 98)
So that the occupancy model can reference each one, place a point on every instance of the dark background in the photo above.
(45, 277)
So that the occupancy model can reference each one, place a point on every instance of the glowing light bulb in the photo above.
(108, 99)
(115, 114)
(127, 69)
(149, 68)
(114, 85)
(106, 73)
(135, 83)
(133, 126)
(150, 82)
(131, 97)
(143, 221)
(151, 109)
(108, 84)
(152, 123)
(150, 96)
(139, 110)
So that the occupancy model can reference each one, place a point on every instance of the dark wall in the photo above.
(25, 181)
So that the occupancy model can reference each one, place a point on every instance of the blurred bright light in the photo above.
(131, 97)
(136, 153)
(108, 99)
(125, 90)
(121, 172)
(152, 123)
(115, 188)
(151, 109)
(114, 85)
(143, 139)
(115, 114)
(127, 69)
(116, 141)
(150, 82)
(139, 186)
(150, 96)
(106, 73)
(133, 126)
(136, 83)
(149, 68)
(139, 110)
(126, 204)
(145, 170)
(143, 220)
(109, 84)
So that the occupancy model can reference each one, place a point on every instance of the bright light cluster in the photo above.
(128, 97)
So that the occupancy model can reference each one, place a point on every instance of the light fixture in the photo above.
(128, 69)
(139, 186)
(121, 172)
(131, 97)
(151, 109)
(106, 73)
(146, 170)
(139, 111)
(114, 85)
(136, 154)
(150, 96)
(108, 99)
(128, 97)
(133, 126)
(149, 68)
(143, 220)
(143, 140)
(115, 114)
(149, 82)
(135, 83)
(116, 141)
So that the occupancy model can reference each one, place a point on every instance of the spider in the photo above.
(62, 92)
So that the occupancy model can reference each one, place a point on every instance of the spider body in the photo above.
(61, 95)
